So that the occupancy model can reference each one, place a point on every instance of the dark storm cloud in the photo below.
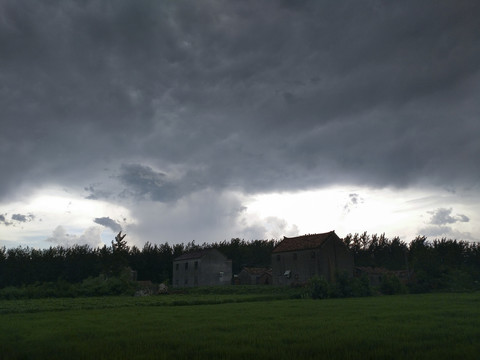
(219, 95)
(143, 182)
(109, 223)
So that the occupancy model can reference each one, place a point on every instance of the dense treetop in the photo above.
(432, 262)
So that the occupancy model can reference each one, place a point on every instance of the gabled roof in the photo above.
(195, 254)
(304, 242)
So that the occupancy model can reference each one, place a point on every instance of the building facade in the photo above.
(296, 260)
(254, 276)
(202, 268)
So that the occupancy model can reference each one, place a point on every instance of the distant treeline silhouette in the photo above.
(25, 265)
(441, 264)
(434, 265)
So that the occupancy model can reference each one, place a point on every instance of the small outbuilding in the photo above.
(376, 274)
(255, 276)
(295, 260)
(207, 267)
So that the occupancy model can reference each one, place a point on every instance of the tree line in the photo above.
(434, 265)
(25, 265)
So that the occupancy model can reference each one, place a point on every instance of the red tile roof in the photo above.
(304, 242)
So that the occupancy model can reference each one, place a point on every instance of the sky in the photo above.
(175, 121)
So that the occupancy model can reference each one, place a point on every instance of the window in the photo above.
(313, 255)
(278, 257)
(176, 266)
(186, 266)
(196, 265)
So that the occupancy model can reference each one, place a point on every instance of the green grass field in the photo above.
(436, 326)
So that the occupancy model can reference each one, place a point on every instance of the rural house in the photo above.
(255, 276)
(202, 268)
(297, 259)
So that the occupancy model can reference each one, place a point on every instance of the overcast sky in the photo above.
(206, 120)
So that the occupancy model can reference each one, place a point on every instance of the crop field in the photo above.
(222, 326)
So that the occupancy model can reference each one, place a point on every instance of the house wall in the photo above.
(265, 279)
(211, 269)
(325, 261)
(245, 278)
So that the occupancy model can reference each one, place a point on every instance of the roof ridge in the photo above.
(314, 234)
(196, 254)
(303, 242)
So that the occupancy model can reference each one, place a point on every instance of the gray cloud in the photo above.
(462, 218)
(3, 220)
(160, 100)
(142, 181)
(93, 193)
(440, 225)
(15, 219)
(202, 216)
(448, 232)
(270, 228)
(443, 216)
(90, 236)
(353, 200)
(23, 218)
(109, 223)
(435, 231)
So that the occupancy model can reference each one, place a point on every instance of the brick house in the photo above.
(297, 259)
(202, 268)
